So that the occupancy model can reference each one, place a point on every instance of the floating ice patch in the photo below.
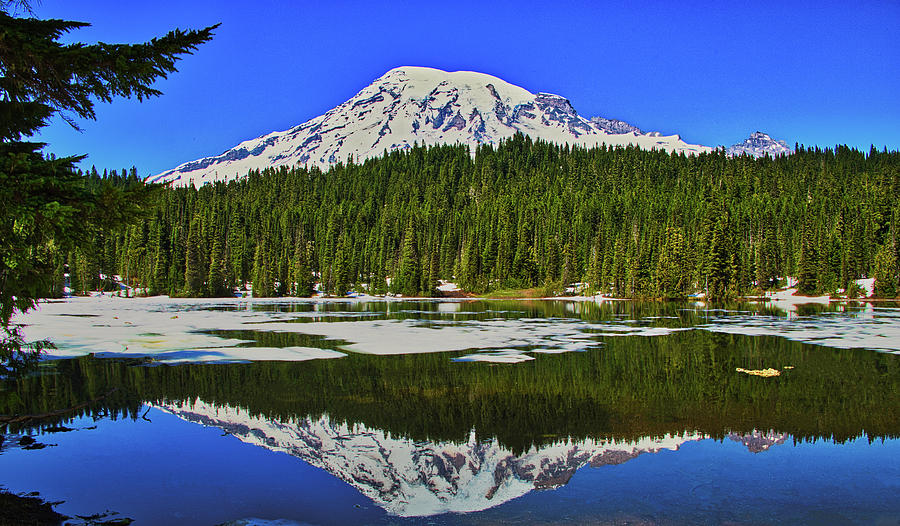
(501, 356)
(558, 350)
(414, 336)
(866, 328)
(198, 329)
(246, 354)
(163, 329)
(626, 330)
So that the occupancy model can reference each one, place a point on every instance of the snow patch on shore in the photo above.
(868, 285)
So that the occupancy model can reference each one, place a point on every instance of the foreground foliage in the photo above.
(49, 208)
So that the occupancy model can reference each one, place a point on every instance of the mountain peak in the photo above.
(420, 105)
(760, 144)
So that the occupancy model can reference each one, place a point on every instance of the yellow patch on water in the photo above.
(766, 373)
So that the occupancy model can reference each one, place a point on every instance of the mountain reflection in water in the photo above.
(421, 478)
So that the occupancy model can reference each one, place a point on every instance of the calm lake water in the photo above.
(461, 412)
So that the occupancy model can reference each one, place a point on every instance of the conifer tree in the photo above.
(619, 266)
(468, 266)
(263, 279)
(886, 272)
(301, 277)
(719, 261)
(808, 262)
(341, 265)
(670, 269)
(409, 269)
(46, 201)
(217, 281)
(195, 263)
(159, 280)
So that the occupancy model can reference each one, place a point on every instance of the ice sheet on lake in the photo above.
(870, 327)
(499, 356)
(168, 330)
(178, 330)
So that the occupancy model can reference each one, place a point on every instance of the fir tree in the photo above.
(808, 264)
(718, 261)
(46, 202)
(886, 272)
(409, 269)
(263, 279)
(217, 281)
(301, 277)
(195, 263)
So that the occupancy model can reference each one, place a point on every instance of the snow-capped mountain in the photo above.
(760, 144)
(419, 478)
(427, 106)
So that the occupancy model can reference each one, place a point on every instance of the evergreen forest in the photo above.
(525, 214)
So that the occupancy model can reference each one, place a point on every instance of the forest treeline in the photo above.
(625, 221)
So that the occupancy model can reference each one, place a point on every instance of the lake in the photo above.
(461, 412)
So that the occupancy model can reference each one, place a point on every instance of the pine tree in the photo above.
(236, 250)
(159, 281)
(45, 199)
(301, 277)
(217, 282)
(595, 268)
(619, 266)
(553, 263)
(468, 266)
(568, 264)
(670, 276)
(195, 263)
(263, 279)
(763, 263)
(409, 269)
(886, 272)
(341, 265)
(808, 263)
(719, 261)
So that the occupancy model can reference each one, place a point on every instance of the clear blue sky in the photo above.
(818, 73)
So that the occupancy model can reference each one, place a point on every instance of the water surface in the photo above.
(463, 412)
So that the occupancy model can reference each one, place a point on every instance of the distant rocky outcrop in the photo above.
(759, 144)
(615, 127)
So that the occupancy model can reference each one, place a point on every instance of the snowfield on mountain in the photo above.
(426, 106)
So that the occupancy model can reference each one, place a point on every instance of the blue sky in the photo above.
(817, 73)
